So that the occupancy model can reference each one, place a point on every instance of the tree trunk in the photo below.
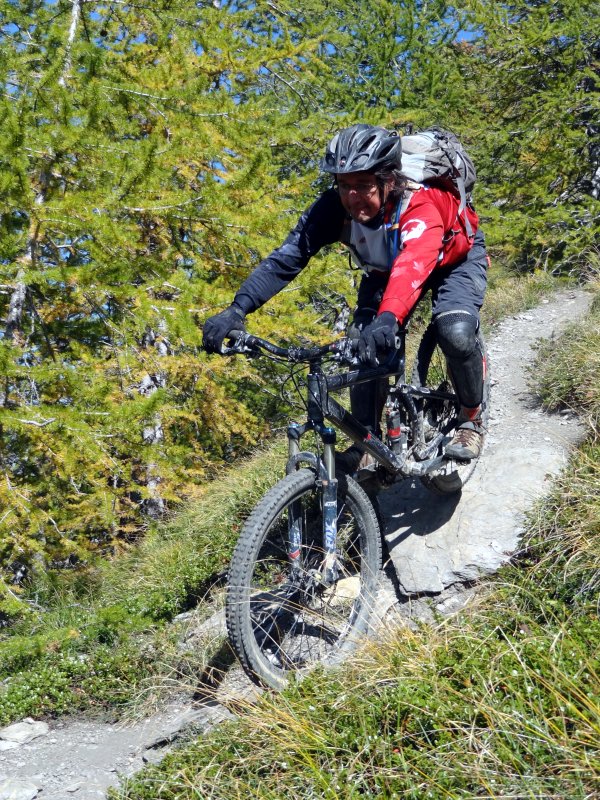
(153, 506)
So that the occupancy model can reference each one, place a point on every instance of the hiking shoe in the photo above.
(467, 442)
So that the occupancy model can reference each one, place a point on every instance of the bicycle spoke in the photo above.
(291, 617)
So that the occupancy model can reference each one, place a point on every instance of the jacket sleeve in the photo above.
(319, 225)
(421, 234)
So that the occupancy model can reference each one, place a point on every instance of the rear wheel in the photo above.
(281, 619)
(440, 416)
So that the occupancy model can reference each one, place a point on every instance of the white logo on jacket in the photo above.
(412, 230)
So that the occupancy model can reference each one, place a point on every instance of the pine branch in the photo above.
(185, 110)
(289, 85)
(151, 209)
(36, 424)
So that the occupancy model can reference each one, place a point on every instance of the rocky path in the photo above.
(437, 545)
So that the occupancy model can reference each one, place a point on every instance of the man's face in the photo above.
(360, 194)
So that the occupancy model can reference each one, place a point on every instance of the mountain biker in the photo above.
(369, 204)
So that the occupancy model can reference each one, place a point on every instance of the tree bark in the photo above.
(75, 14)
(153, 506)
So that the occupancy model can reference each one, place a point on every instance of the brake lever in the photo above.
(346, 351)
(237, 344)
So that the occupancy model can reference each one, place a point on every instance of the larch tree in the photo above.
(135, 166)
(154, 152)
(533, 74)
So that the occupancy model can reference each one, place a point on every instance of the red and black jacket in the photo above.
(431, 237)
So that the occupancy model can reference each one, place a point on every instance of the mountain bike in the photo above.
(304, 574)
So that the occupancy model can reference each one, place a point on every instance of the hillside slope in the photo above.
(524, 448)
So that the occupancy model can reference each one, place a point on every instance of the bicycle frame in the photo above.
(321, 408)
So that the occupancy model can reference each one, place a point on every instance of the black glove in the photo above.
(216, 328)
(379, 335)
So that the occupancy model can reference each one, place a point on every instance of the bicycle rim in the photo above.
(431, 370)
(282, 621)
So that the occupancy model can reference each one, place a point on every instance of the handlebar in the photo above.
(241, 342)
(344, 350)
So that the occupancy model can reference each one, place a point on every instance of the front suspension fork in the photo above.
(329, 571)
(330, 568)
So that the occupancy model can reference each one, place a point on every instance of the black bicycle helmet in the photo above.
(362, 147)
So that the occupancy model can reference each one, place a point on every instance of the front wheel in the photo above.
(441, 416)
(281, 619)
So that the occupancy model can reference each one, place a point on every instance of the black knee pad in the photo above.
(457, 337)
(457, 334)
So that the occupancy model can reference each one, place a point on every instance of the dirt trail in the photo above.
(436, 545)
(455, 539)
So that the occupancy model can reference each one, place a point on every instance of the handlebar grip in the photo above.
(347, 350)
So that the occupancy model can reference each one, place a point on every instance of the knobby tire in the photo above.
(282, 623)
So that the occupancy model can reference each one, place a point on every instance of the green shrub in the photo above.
(63, 682)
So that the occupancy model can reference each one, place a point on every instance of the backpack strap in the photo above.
(460, 185)
(394, 244)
